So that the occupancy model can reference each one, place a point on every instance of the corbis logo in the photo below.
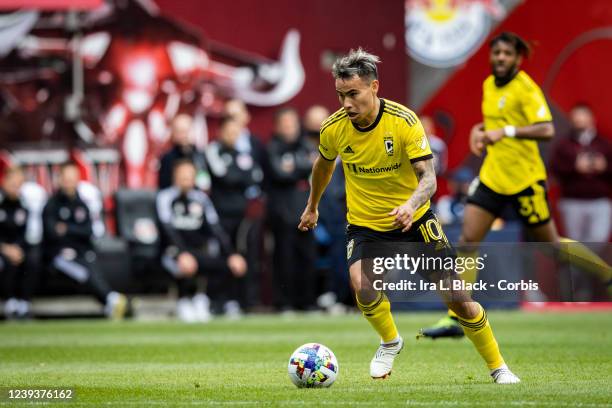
(444, 33)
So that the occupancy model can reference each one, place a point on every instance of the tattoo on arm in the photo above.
(426, 175)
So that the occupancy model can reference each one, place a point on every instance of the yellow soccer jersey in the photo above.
(377, 162)
(511, 165)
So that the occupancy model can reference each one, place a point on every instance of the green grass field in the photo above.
(563, 361)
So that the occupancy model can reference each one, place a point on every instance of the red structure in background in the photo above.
(572, 59)
(327, 28)
(136, 80)
(50, 4)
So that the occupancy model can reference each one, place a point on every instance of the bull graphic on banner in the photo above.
(115, 77)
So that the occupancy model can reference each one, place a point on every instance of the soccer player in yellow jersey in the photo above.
(516, 116)
(390, 179)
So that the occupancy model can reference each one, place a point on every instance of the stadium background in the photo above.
(571, 56)
(564, 359)
(571, 41)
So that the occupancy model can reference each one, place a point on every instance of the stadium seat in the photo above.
(136, 224)
(113, 262)
(136, 221)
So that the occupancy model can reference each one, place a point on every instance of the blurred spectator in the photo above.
(18, 266)
(247, 142)
(582, 164)
(92, 197)
(183, 147)
(449, 208)
(330, 231)
(68, 242)
(437, 145)
(314, 116)
(236, 180)
(250, 144)
(194, 243)
(290, 159)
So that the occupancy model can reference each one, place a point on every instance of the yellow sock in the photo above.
(479, 331)
(470, 274)
(379, 315)
(577, 254)
(452, 314)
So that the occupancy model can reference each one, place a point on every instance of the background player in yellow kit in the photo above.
(389, 181)
(516, 116)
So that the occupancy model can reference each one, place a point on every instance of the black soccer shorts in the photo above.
(531, 204)
(426, 229)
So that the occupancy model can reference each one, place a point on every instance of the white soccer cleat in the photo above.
(116, 306)
(185, 310)
(503, 375)
(232, 310)
(10, 308)
(201, 308)
(24, 308)
(382, 363)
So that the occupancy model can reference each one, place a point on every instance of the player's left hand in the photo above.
(403, 216)
(493, 136)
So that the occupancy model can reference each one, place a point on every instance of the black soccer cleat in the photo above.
(446, 327)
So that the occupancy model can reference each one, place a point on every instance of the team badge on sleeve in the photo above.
(542, 112)
(421, 142)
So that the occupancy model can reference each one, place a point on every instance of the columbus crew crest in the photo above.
(389, 144)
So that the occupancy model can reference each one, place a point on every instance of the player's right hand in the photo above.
(237, 265)
(477, 139)
(403, 216)
(308, 220)
(13, 252)
(187, 264)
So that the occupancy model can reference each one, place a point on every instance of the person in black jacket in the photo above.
(194, 243)
(236, 176)
(183, 148)
(236, 180)
(247, 141)
(290, 159)
(18, 265)
(68, 245)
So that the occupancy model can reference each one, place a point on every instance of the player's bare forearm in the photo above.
(425, 173)
(322, 171)
(426, 188)
(539, 131)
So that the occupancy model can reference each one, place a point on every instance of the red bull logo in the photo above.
(445, 33)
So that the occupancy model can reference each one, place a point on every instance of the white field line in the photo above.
(408, 403)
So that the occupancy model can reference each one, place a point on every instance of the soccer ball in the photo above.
(313, 365)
